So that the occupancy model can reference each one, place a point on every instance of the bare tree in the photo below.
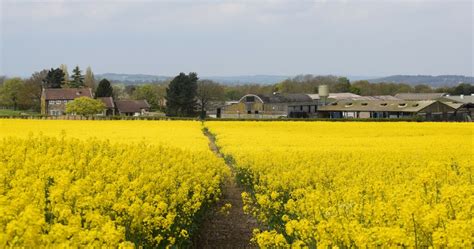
(208, 92)
(30, 96)
(89, 80)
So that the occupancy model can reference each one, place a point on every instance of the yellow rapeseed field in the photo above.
(183, 134)
(104, 184)
(320, 184)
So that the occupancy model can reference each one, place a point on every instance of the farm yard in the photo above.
(308, 184)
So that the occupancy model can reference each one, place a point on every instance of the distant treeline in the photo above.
(25, 94)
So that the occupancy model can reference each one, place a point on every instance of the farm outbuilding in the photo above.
(109, 106)
(429, 109)
(132, 107)
(270, 106)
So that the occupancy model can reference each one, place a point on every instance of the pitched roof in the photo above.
(283, 97)
(376, 97)
(377, 105)
(66, 93)
(108, 102)
(126, 106)
(419, 96)
(335, 96)
(459, 98)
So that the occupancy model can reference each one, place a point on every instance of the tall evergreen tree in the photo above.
(89, 80)
(181, 95)
(104, 89)
(66, 74)
(77, 78)
(54, 78)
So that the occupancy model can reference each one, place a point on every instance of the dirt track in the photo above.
(231, 228)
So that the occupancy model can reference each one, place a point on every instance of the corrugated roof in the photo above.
(419, 96)
(457, 98)
(377, 97)
(127, 106)
(453, 104)
(335, 96)
(108, 102)
(377, 105)
(285, 98)
(66, 93)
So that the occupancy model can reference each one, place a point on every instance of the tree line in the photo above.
(186, 94)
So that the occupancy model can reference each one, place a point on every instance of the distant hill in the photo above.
(145, 78)
(435, 81)
(131, 78)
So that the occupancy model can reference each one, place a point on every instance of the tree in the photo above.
(54, 78)
(423, 89)
(343, 85)
(181, 95)
(84, 106)
(154, 94)
(104, 89)
(89, 80)
(66, 74)
(9, 93)
(30, 94)
(463, 88)
(207, 92)
(77, 78)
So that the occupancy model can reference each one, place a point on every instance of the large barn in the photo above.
(270, 106)
(429, 109)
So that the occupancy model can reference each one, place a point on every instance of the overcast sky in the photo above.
(358, 38)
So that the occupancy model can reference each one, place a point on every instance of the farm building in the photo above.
(464, 105)
(54, 100)
(280, 105)
(420, 96)
(429, 109)
(270, 106)
(109, 106)
(132, 107)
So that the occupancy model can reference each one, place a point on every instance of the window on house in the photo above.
(249, 112)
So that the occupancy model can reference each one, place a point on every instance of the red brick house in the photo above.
(54, 100)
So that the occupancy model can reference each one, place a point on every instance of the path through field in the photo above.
(231, 228)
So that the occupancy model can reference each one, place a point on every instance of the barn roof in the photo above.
(335, 96)
(66, 93)
(108, 102)
(419, 96)
(281, 97)
(459, 98)
(127, 106)
(377, 105)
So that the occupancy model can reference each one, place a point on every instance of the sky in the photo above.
(347, 38)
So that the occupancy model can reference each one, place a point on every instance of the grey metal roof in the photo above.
(377, 105)
(335, 96)
(459, 98)
(419, 96)
(285, 98)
